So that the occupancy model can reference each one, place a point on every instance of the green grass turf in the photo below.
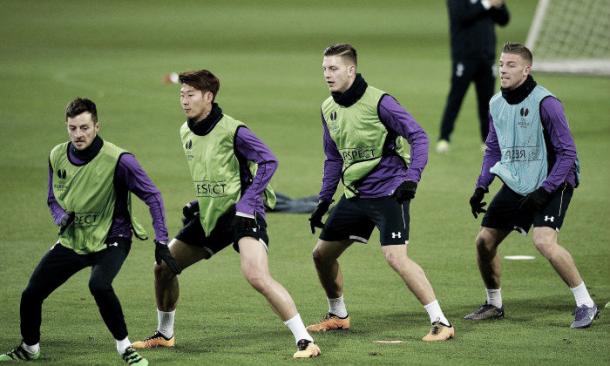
(268, 56)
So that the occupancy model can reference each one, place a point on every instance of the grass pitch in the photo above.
(268, 56)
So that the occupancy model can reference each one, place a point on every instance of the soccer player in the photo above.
(364, 141)
(231, 169)
(89, 187)
(530, 148)
(473, 56)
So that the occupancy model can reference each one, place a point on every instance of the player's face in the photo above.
(514, 69)
(339, 73)
(82, 130)
(195, 104)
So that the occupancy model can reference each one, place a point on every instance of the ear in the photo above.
(351, 70)
(527, 70)
(208, 97)
(97, 126)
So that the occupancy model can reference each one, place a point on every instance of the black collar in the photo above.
(90, 152)
(352, 94)
(203, 127)
(518, 94)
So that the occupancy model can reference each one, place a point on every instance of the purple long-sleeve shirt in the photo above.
(562, 157)
(253, 149)
(129, 177)
(391, 171)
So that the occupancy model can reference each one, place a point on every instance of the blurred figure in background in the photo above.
(473, 56)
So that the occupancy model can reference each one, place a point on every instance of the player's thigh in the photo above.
(463, 72)
(553, 214)
(391, 218)
(108, 262)
(187, 254)
(330, 250)
(395, 255)
(348, 221)
(490, 238)
(505, 214)
(55, 267)
(253, 256)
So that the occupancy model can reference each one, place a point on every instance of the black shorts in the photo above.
(222, 235)
(504, 212)
(355, 218)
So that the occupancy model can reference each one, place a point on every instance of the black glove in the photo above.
(66, 221)
(190, 210)
(476, 206)
(405, 191)
(162, 254)
(315, 220)
(536, 200)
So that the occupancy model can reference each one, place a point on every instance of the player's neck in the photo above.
(87, 154)
(518, 94)
(203, 126)
(352, 94)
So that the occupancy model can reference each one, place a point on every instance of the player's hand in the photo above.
(162, 253)
(536, 200)
(66, 221)
(190, 210)
(476, 204)
(496, 3)
(315, 220)
(405, 191)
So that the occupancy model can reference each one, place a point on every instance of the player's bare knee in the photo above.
(318, 258)
(163, 272)
(259, 281)
(396, 261)
(545, 246)
(485, 244)
(31, 294)
(99, 286)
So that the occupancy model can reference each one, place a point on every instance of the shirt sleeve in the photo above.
(500, 15)
(333, 163)
(555, 123)
(490, 158)
(465, 11)
(399, 121)
(57, 212)
(130, 173)
(253, 149)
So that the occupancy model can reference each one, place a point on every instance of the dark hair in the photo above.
(344, 50)
(81, 105)
(518, 49)
(202, 80)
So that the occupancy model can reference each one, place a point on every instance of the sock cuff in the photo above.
(166, 312)
(435, 302)
(297, 317)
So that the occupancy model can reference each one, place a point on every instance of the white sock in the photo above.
(122, 345)
(581, 295)
(296, 326)
(337, 307)
(165, 323)
(494, 297)
(35, 348)
(435, 313)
